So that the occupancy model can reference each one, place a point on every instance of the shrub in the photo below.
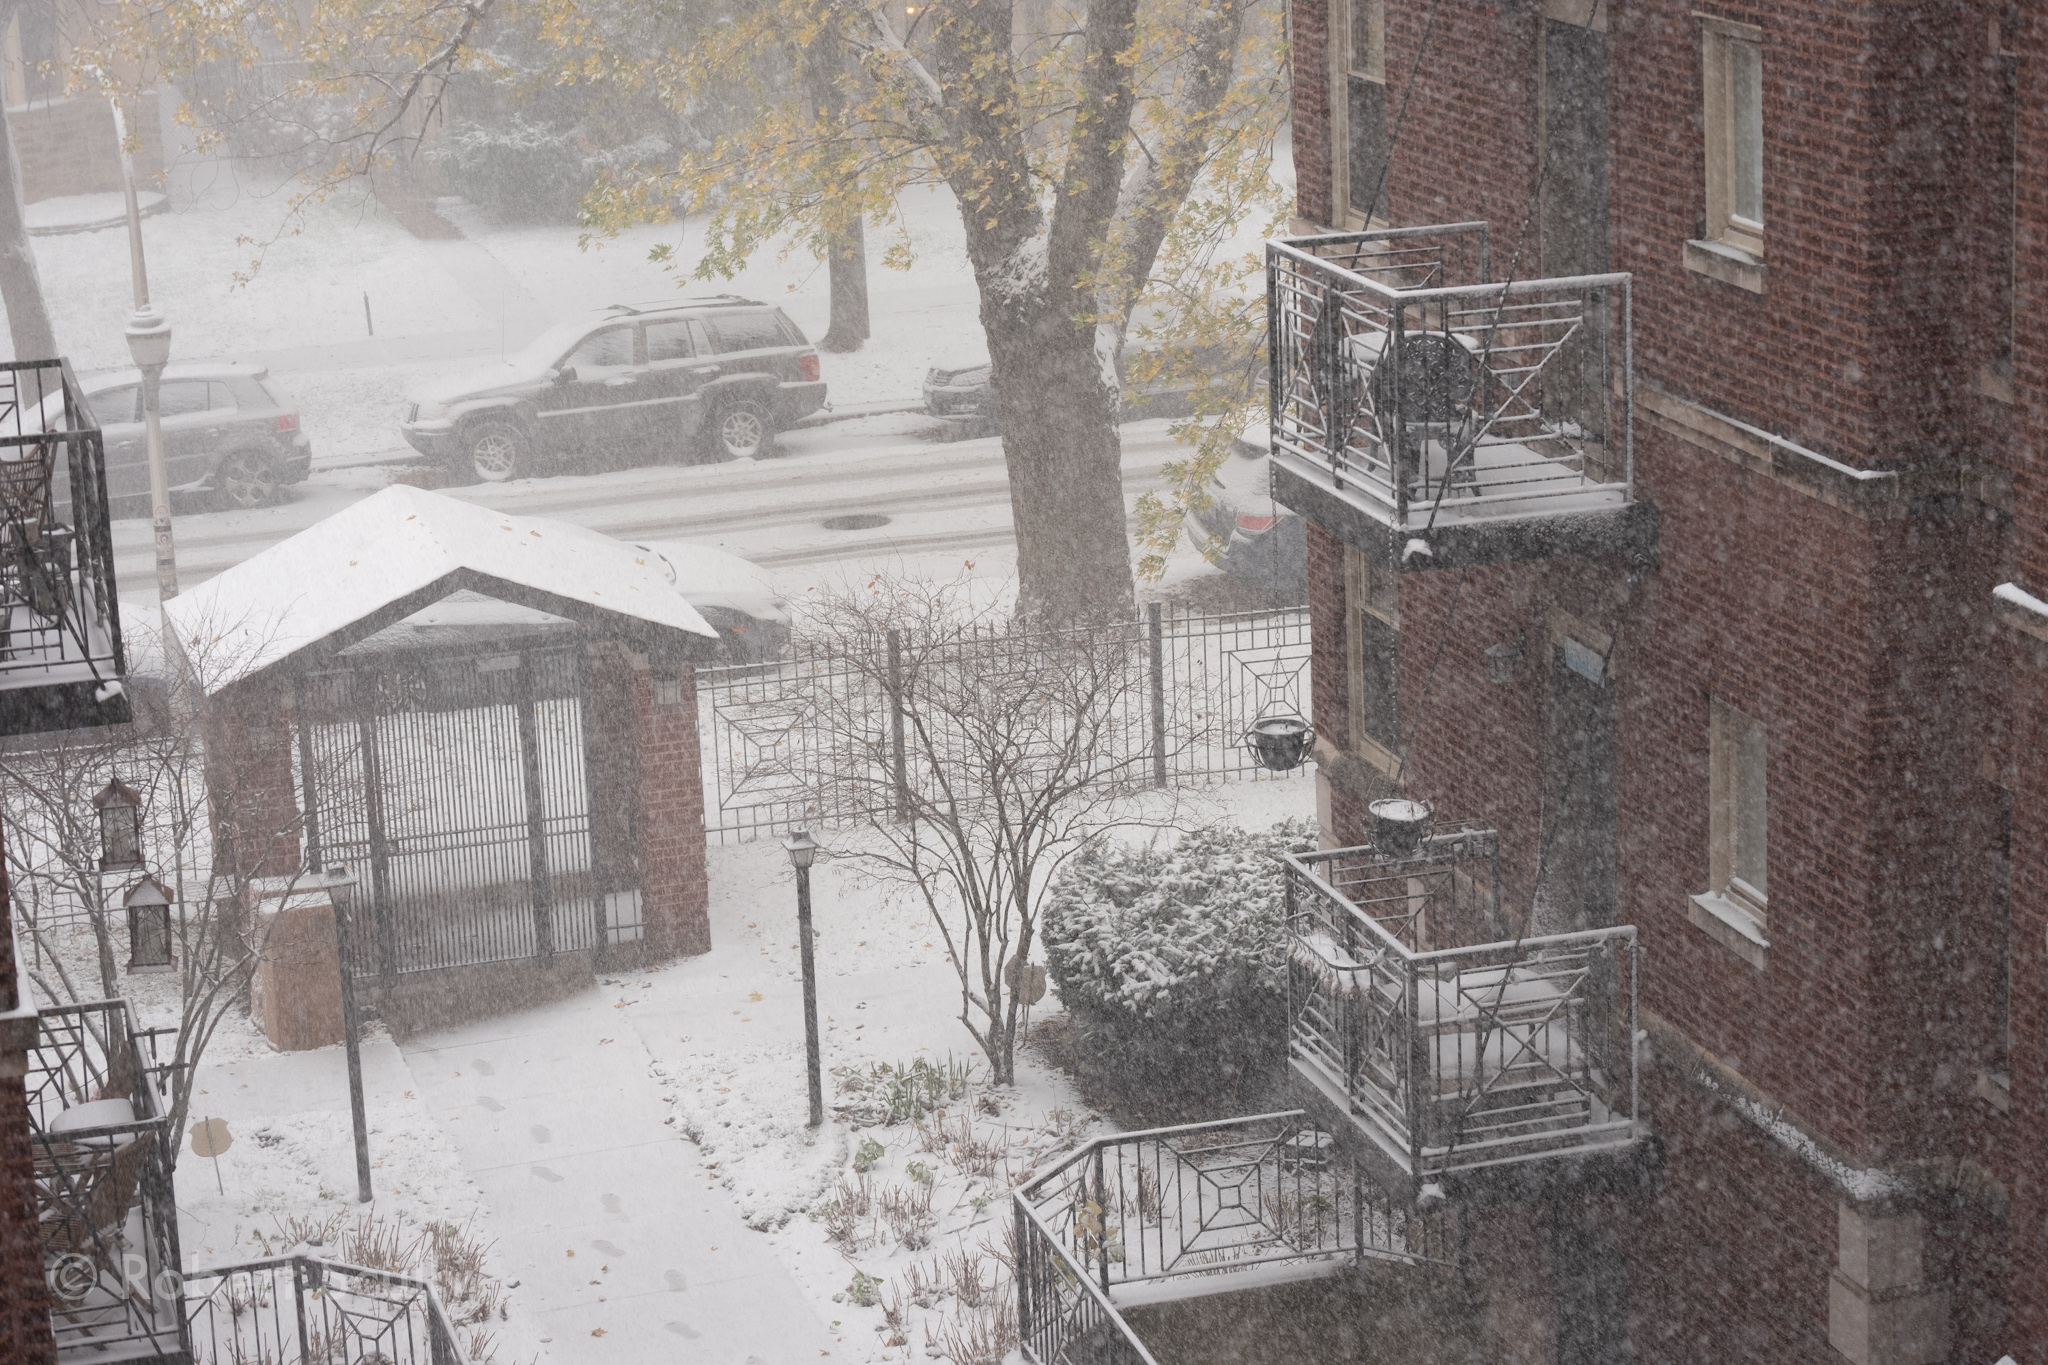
(1171, 960)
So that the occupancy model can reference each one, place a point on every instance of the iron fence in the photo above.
(1456, 1057)
(828, 736)
(60, 623)
(462, 785)
(302, 1310)
(1434, 395)
(105, 1209)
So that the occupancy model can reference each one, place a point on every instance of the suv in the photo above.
(228, 430)
(714, 376)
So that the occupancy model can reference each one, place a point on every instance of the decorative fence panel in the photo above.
(819, 739)
(300, 1310)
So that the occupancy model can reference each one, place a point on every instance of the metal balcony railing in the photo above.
(1180, 1212)
(60, 625)
(1432, 397)
(105, 1211)
(302, 1310)
(1452, 1056)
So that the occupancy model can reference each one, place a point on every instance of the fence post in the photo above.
(897, 758)
(536, 816)
(1102, 1218)
(1026, 1267)
(380, 846)
(1157, 641)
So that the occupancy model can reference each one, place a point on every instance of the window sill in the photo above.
(1731, 926)
(1729, 265)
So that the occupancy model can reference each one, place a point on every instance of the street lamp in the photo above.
(341, 894)
(149, 343)
(803, 851)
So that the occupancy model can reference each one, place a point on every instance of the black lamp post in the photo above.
(341, 891)
(803, 850)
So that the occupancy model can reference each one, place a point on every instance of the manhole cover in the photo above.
(860, 521)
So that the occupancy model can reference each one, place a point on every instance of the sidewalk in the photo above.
(601, 1211)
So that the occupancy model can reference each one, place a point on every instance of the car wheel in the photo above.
(740, 430)
(494, 451)
(248, 478)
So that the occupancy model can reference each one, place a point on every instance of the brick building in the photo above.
(1715, 640)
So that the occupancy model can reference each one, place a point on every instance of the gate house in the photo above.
(491, 720)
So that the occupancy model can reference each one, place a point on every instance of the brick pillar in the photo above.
(24, 1305)
(669, 819)
(1881, 1308)
(249, 786)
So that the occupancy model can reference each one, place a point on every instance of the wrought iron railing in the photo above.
(105, 1209)
(1455, 1056)
(60, 621)
(1433, 395)
(302, 1310)
(1198, 1205)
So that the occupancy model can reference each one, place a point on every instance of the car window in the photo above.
(221, 398)
(668, 341)
(182, 397)
(115, 405)
(747, 331)
(611, 349)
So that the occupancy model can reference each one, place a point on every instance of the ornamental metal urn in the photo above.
(1281, 743)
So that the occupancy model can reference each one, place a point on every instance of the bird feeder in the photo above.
(120, 813)
(149, 926)
(1280, 743)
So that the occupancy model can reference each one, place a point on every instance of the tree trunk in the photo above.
(847, 260)
(1065, 460)
(21, 289)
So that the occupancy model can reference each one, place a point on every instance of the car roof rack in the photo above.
(670, 305)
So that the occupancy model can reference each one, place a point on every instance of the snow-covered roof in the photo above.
(380, 560)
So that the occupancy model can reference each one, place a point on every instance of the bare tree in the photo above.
(1015, 748)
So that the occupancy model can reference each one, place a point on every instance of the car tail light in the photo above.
(807, 363)
(1247, 522)
(287, 421)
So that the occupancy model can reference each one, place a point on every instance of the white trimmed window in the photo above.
(1732, 71)
(1739, 829)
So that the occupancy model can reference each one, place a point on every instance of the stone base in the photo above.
(295, 993)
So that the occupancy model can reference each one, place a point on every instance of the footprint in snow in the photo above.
(606, 1247)
(545, 1174)
(541, 1134)
(677, 1281)
(682, 1329)
(486, 1102)
(484, 1068)
(614, 1204)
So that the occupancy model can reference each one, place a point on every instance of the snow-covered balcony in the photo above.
(1437, 417)
(61, 661)
(1139, 1220)
(1452, 1055)
(101, 1137)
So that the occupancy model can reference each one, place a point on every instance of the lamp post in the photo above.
(149, 343)
(341, 891)
(803, 850)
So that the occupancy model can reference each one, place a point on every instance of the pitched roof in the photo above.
(379, 560)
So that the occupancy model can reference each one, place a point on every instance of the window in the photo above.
(747, 332)
(1361, 74)
(181, 397)
(611, 349)
(668, 341)
(221, 397)
(1732, 71)
(1740, 825)
(115, 405)
(1374, 662)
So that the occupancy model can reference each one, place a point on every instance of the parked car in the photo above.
(713, 376)
(732, 595)
(229, 430)
(1264, 543)
(965, 398)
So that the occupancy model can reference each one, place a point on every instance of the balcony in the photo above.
(61, 661)
(1438, 418)
(1142, 1219)
(1454, 1058)
(102, 1142)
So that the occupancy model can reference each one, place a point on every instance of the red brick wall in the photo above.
(1309, 23)
(253, 798)
(2028, 1160)
(674, 895)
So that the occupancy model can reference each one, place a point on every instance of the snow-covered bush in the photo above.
(1171, 959)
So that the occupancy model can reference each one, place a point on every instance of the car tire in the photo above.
(739, 430)
(247, 478)
(493, 451)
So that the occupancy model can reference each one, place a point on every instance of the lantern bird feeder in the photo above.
(120, 814)
(148, 904)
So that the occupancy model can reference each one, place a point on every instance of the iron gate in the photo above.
(460, 789)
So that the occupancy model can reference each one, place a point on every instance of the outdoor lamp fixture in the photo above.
(803, 851)
(341, 894)
(1504, 661)
(149, 926)
(149, 345)
(119, 807)
(1280, 743)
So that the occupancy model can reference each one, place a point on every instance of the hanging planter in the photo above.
(1281, 743)
(1398, 825)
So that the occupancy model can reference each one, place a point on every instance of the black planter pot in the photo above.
(1281, 743)
(1398, 825)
